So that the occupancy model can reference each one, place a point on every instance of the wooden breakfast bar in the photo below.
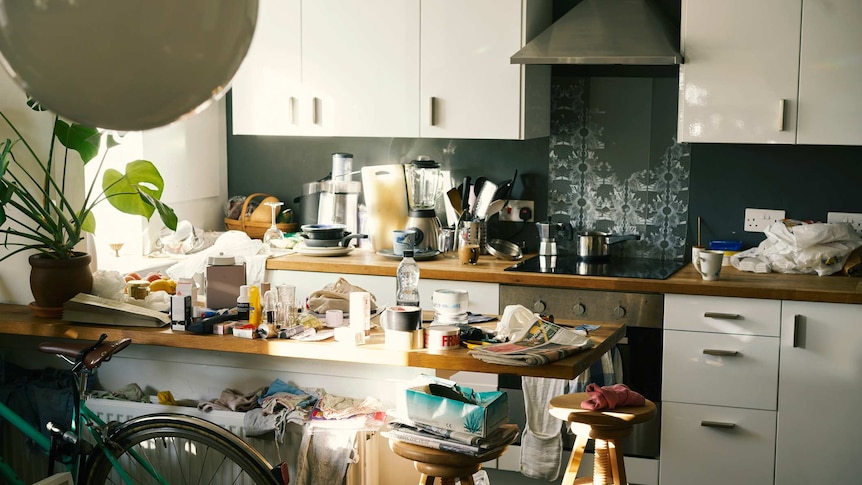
(19, 320)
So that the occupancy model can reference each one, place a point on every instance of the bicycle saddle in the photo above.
(84, 352)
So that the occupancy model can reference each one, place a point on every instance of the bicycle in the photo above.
(157, 448)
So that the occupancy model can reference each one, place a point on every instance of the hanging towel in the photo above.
(542, 441)
(324, 455)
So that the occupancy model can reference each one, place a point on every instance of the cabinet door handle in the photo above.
(798, 329)
(721, 353)
(432, 114)
(717, 424)
(782, 104)
(291, 107)
(723, 316)
(314, 117)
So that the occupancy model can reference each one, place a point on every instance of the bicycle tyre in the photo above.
(183, 449)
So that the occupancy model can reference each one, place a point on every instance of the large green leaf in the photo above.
(82, 139)
(122, 190)
(89, 223)
(167, 215)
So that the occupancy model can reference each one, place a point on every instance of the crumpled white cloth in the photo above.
(231, 243)
(820, 248)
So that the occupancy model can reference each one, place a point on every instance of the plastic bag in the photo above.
(515, 318)
(796, 247)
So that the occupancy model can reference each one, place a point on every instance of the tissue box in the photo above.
(491, 409)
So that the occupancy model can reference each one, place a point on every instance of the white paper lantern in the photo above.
(125, 64)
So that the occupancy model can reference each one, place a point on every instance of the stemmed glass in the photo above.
(273, 236)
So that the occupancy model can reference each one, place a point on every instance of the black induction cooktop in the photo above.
(654, 269)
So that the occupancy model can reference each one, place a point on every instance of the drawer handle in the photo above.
(723, 316)
(721, 353)
(717, 424)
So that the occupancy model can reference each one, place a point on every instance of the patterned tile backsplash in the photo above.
(615, 165)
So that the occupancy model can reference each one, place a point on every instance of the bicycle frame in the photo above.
(85, 416)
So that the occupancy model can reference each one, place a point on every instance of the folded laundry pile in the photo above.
(611, 397)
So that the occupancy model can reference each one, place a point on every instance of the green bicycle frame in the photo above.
(45, 445)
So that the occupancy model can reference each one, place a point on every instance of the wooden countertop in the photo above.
(734, 283)
(18, 320)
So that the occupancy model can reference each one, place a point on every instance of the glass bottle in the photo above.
(407, 281)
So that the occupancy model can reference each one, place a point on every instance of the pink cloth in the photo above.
(610, 397)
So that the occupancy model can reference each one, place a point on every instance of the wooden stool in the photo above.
(446, 465)
(607, 427)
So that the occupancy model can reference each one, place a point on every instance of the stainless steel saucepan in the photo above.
(595, 245)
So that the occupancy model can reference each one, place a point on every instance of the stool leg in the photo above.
(575, 459)
(602, 472)
(617, 464)
(467, 480)
(426, 480)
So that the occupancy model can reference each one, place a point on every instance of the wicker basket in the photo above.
(254, 229)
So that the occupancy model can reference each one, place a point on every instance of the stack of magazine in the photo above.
(538, 344)
(454, 441)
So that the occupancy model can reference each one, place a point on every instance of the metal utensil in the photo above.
(484, 199)
(465, 198)
(502, 249)
(494, 208)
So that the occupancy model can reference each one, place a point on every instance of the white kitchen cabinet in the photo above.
(714, 445)
(394, 68)
(468, 87)
(360, 64)
(330, 68)
(267, 93)
(773, 71)
(739, 80)
(719, 390)
(819, 398)
(830, 102)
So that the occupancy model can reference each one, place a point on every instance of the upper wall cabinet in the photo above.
(393, 68)
(830, 66)
(469, 89)
(739, 80)
(772, 71)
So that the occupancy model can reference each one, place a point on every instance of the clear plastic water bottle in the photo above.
(407, 281)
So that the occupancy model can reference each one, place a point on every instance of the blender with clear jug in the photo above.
(424, 187)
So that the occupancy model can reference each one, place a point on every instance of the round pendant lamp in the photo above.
(125, 65)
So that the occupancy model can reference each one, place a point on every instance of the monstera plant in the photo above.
(37, 216)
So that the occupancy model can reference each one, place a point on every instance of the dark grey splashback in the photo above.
(615, 165)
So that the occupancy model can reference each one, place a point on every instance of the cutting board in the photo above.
(385, 193)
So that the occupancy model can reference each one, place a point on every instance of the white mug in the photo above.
(450, 302)
(708, 264)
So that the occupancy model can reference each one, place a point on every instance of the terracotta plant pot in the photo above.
(55, 281)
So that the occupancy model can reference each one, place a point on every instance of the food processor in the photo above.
(424, 187)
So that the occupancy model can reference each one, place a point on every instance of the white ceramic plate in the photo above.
(334, 251)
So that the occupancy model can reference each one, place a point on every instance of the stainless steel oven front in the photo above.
(640, 350)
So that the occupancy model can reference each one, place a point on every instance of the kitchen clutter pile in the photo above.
(793, 246)
(327, 423)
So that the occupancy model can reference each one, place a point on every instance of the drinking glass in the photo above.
(273, 236)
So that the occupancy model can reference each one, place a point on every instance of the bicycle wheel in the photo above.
(182, 449)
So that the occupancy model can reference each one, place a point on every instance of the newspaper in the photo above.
(540, 343)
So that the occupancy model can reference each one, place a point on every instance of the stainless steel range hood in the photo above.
(601, 32)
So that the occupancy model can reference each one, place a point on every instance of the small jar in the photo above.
(138, 289)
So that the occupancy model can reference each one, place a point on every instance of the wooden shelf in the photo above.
(18, 320)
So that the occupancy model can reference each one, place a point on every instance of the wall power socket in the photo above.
(756, 220)
(854, 219)
(517, 211)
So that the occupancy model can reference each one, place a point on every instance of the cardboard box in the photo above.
(488, 411)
